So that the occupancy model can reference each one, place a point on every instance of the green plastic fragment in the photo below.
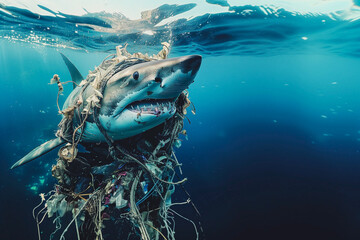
(42, 181)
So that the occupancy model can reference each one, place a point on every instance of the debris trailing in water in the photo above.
(116, 189)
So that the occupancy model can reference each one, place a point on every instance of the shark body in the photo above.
(136, 98)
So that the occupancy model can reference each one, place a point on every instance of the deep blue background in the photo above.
(273, 151)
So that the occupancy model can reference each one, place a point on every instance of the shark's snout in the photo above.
(182, 74)
(191, 63)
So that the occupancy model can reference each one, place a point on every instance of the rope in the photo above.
(77, 228)
(57, 226)
(197, 234)
(74, 134)
(153, 174)
(76, 215)
(134, 209)
(156, 230)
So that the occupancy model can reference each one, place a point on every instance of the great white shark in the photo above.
(135, 99)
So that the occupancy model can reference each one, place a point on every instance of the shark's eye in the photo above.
(136, 75)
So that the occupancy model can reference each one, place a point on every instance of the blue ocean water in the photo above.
(273, 150)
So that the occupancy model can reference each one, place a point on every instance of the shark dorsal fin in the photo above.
(74, 72)
(39, 151)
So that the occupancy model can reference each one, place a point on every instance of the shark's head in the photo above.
(143, 96)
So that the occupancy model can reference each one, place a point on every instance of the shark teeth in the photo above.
(155, 108)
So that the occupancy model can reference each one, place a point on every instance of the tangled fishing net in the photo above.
(115, 189)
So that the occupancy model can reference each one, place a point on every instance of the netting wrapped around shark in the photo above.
(116, 169)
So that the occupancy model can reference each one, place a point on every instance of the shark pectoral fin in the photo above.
(74, 72)
(39, 151)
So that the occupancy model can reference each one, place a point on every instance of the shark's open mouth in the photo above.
(152, 106)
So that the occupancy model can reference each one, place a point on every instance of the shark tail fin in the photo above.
(74, 72)
(39, 151)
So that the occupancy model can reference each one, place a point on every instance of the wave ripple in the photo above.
(242, 30)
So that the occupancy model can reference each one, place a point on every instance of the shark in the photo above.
(136, 96)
